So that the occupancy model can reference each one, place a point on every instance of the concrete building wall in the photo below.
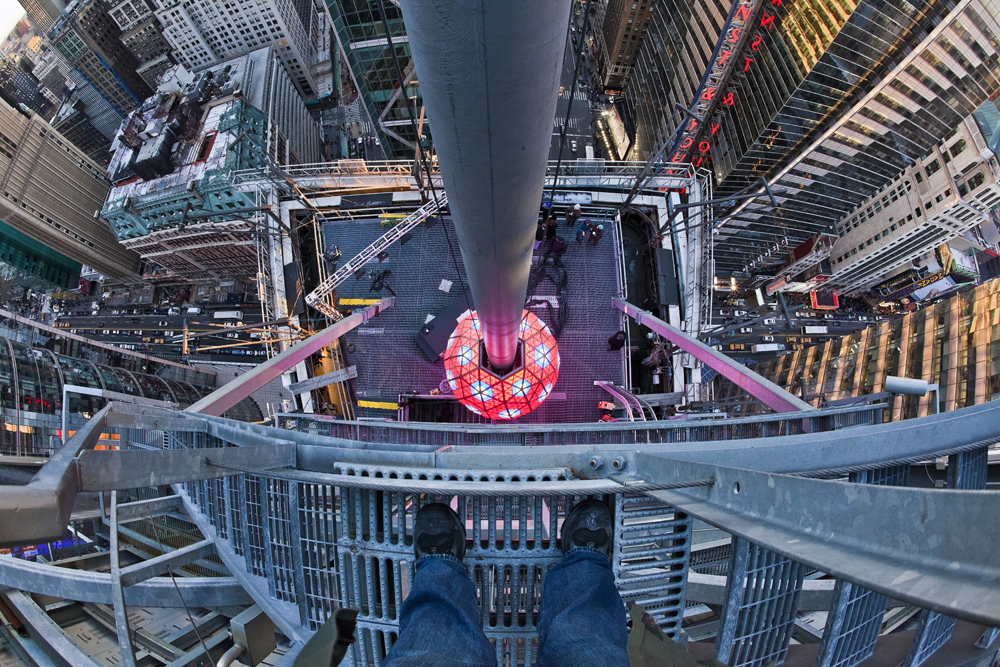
(36, 162)
(947, 192)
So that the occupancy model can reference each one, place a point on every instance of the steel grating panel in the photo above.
(511, 545)
(711, 560)
(856, 613)
(282, 547)
(933, 630)
(897, 475)
(761, 600)
(653, 548)
(389, 361)
(852, 627)
(967, 470)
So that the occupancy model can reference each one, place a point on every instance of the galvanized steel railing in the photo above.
(337, 528)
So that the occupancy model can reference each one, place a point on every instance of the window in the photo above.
(938, 199)
(893, 228)
(933, 168)
(947, 193)
(918, 212)
(958, 148)
(927, 206)
(976, 180)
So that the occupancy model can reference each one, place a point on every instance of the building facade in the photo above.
(891, 84)
(73, 123)
(361, 36)
(142, 36)
(952, 343)
(622, 30)
(21, 87)
(43, 13)
(90, 41)
(204, 34)
(36, 162)
(948, 192)
(669, 65)
(25, 253)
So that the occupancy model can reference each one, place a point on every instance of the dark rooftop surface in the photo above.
(390, 362)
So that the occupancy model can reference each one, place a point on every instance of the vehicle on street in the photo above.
(746, 330)
(194, 311)
(717, 348)
(228, 315)
(770, 322)
(768, 347)
(740, 313)
(805, 340)
(790, 339)
(737, 346)
(724, 311)
(815, 329)
(798, 346)
(767, 339)
(823, 339)
(162, 323)
(174, 311)
(572, 145)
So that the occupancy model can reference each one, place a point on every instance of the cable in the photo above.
(173, 580)
(422, 159)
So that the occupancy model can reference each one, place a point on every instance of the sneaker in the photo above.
(438, 530)
(588, 524)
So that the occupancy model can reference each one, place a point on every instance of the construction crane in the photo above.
(318, 297)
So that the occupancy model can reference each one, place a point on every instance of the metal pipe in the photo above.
(229, 657)
(489, 74)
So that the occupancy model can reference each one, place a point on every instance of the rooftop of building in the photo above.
(189, 111)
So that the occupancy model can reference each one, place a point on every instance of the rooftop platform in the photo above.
(390, 362)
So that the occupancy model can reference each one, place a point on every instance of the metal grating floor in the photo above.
(390, 362)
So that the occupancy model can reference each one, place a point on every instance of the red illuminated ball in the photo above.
(516, 393)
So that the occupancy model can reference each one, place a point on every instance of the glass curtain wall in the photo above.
(954, 343)
(31, 394)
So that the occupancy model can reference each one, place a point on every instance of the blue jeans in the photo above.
(581, 622)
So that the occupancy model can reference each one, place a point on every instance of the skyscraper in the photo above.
(51, 192)
(828, 101)
(951, 343)
(668, 67)
(622, 30)
(890, 85)
(90, 40)
(43, 13)
(362, 37)
(203, 34)
(142, 36)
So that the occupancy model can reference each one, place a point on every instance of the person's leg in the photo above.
(582, 618)
(440, 624)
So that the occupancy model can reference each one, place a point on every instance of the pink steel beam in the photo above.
(232, 393)
(760, 388)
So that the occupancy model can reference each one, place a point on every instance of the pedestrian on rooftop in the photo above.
(573, 214)
(596, 235)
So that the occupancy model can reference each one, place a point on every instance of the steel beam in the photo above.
(117, 591)
(40, 511)
(915, 545)
(324, 380)
(492, 131)
(147, 509)
(107, 470)
(154, 567)
(760, 388)
(84, 586)
(52, 640)
(232, 393)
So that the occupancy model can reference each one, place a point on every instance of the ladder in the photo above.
(318, 297)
